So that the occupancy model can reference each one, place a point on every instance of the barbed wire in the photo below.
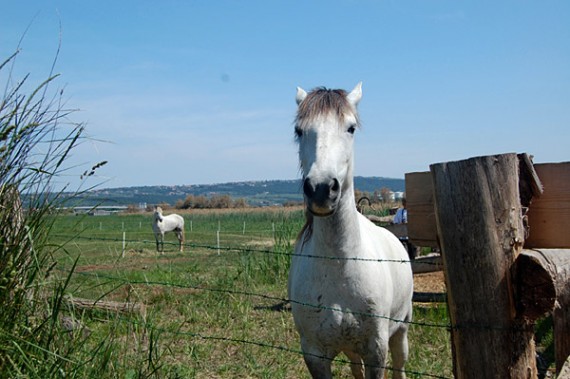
(242, 249)
(263, 296)
(447, 326)
(469, 326)
(268, 345)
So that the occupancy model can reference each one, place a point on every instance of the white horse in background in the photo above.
(162, 224)
(350, 282)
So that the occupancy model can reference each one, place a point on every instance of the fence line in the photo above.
(191, 226)
(250, 250)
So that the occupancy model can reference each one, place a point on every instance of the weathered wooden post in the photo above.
(480, 227)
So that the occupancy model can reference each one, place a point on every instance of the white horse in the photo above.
(347, 294)
(162, 224)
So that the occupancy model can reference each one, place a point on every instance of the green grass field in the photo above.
(212, 311)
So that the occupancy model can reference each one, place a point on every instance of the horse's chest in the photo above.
(342, 324)
(335, 308)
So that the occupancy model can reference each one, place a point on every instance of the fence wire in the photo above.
(258, 295)
(241, 249)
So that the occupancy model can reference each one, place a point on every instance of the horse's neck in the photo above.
(340, 232)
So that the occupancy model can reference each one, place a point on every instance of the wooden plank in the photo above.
(428, 263)
(549, 214)
(399, 230)
(422, 228)
(429, 297)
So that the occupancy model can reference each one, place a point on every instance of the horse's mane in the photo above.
(307, 229)
(321, 101)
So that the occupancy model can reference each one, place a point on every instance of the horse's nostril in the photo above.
(335, 185)
(308, 188)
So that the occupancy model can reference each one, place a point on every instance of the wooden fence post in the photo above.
(479, 221)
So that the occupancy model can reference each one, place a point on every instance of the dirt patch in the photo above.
(430, 282)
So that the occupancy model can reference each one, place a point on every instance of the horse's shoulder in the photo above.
(383, 241)
(371, 228)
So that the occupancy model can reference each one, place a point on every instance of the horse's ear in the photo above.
(301, 94)
(355, 95)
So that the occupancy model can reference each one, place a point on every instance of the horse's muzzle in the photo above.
(321, 197)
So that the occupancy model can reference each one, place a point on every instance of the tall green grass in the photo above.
(41, 334)
(35, 141)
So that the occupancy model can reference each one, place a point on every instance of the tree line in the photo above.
(224, 201)
(212, 202)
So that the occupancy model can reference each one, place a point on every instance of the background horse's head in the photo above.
(157, 213)
(324, 127)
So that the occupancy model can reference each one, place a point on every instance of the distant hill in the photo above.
(257, 193)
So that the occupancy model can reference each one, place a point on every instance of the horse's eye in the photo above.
(351, 129)
(298, 132)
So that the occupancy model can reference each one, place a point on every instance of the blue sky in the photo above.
(199, 92)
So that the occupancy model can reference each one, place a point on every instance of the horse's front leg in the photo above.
(317, 362)
(161, 243)
(157, 243)
(375, 358)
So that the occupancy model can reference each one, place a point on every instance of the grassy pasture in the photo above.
(210, 313)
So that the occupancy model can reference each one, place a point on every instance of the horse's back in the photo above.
(179, 219)
(174, 221)
(169, 223)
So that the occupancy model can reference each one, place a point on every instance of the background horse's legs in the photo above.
(180, 236)
(161, 237)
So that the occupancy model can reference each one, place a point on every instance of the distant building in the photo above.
(100, 210)
(398, 195)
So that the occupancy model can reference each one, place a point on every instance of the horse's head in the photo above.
(324, 127)
(157, 213)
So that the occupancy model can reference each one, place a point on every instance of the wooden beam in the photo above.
(543, 286)
(111, 306)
